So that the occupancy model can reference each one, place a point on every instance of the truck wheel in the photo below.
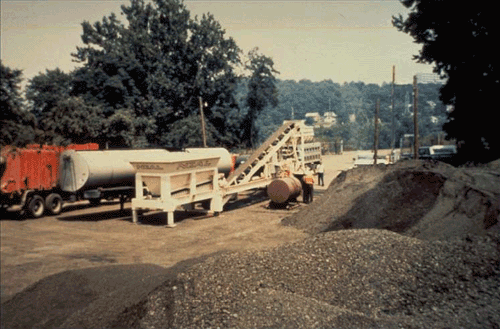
(95, 202)
(54, 204)
(36, 206)
(205, 204)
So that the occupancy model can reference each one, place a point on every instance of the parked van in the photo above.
(445, 153)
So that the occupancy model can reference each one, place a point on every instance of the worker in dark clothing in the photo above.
(308, 187)
(320, 169)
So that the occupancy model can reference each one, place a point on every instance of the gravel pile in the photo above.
(432, 201)
(364, 278)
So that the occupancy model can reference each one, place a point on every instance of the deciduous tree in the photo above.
(156, 67)
(457, 40)
(17, 124)
(262, 92)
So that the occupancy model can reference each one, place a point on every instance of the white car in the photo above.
(366, 159)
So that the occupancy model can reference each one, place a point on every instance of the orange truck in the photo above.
(30, 178)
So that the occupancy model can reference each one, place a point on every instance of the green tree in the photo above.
(457, 40)
(71, 120)
(17, 124)
(262, 92)
(155, 68)
(45, 90)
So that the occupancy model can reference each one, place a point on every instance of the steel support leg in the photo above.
(170, 219)
(134, 216)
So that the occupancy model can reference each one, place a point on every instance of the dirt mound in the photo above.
(420, 199)
(343, 279)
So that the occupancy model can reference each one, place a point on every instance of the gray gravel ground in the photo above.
(364, 278)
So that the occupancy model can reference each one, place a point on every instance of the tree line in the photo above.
(62, 118)
(353, 104)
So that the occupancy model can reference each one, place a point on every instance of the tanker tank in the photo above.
(84, 170)
(225, 165)
(282, 190)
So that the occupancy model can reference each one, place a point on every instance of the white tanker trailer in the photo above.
(96, 175)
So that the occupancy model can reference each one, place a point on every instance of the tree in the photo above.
(45, 90)
(457, 40)
(262, 92)
(70, 120)
(155, 68)
(18, 125)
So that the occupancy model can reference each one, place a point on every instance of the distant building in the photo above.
(327, 120)
(314, 115)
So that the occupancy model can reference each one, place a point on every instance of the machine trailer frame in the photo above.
(289, 151)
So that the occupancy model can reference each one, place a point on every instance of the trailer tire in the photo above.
(54, 204)
(95, 201)
(36, 206)
(205, 204)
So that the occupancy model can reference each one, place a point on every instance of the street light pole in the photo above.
(202, 117)
(375, 143)
(393, 133)
(415, 118)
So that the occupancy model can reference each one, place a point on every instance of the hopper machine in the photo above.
(208, 176)
(164, 184)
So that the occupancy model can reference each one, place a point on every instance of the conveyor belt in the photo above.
(259, 158)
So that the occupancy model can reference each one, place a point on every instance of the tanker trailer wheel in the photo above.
(95, 201)
(36, 206)
(54, 204)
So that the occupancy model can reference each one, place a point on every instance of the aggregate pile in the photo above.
(411, 245)
(365, 278)
(420, 199)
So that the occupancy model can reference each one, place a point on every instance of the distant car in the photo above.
(406, 156)
(366, 159)
(444, 153)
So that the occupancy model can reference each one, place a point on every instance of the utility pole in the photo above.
(415, 118)
(202, 117)
(375, 143)
(393, 132)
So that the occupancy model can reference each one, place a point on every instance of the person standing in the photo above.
(308, 187)
(320, 169)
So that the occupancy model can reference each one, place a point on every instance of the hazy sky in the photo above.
(316, 40)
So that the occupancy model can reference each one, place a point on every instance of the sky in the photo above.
(342, 41)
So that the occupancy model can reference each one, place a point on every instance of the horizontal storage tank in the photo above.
(284, 189)
(110, 168)
(226, 163)
(85, 170)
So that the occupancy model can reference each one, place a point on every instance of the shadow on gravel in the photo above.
(97, 216)
(79, 206)
(158, 218)
(98, 297)
(248, 199)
